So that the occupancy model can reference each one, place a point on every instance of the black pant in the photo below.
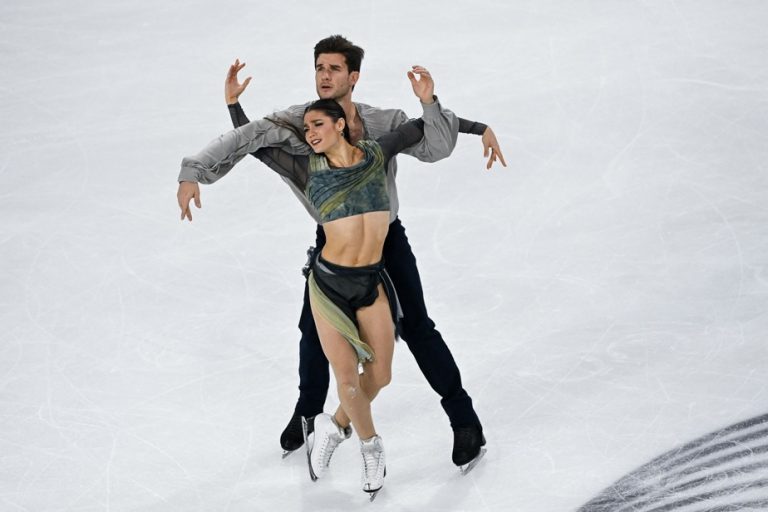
(417, 329)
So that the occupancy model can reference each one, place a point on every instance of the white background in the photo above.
(605, 295)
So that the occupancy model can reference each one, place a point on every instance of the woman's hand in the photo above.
(424, 87)
(188, 190)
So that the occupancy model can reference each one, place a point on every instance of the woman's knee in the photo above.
(383, 379)
(348, 386)
(380, 377)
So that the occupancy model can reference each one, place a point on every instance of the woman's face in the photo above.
(320, 130)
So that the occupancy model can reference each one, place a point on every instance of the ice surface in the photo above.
(605, 295)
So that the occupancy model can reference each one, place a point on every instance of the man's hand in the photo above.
(491, 146)
(232, 88)
(188, 190)
(424, 87)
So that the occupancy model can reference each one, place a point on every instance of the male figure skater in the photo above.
(337, 70)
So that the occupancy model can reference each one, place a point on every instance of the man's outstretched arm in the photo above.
(293, 115)
(441, 126)
(232, 91)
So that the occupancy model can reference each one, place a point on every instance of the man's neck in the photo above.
(350, 110)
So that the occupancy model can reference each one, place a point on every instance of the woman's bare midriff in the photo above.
(356, 241)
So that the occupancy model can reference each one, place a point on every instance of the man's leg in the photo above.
(428, 347)
(313, 371)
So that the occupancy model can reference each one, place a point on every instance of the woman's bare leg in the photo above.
(343, 359)
(377, 330)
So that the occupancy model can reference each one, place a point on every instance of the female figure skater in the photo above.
(353, 302)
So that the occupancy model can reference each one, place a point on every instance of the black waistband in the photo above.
(332, 268)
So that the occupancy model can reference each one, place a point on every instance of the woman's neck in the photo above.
(343, 154)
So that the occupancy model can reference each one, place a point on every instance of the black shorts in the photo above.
(352, 288)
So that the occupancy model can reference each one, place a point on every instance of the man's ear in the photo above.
(354, 77)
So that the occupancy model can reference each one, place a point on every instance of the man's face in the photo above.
(332, 77)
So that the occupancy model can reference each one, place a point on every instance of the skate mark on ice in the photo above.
(726, 470)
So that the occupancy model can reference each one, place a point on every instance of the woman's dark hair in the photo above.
(332, 109)
(329, 107)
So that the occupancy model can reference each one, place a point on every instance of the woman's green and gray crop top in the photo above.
(336, 193)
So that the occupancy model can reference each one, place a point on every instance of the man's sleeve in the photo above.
(221, 154)
(472, 127)
(404, 136)
(294, 168)
(441, 128)
(237, 114)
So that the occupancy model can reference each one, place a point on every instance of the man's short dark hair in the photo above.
(339, 44)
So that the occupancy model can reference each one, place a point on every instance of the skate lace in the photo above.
(372, 464)
(327, 449)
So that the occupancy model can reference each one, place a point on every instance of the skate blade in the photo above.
(466, 468)
(286, 453)
(304, 429)
(372, 494)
